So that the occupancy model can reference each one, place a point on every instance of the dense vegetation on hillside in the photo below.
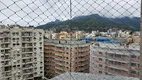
(95, 22)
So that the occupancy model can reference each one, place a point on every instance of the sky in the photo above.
(38, 12)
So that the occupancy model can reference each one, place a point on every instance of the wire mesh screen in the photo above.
(84, 39)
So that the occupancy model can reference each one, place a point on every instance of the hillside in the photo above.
(95, 22)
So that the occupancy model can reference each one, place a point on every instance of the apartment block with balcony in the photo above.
(66, 56)
(115, 59)
(21, 53)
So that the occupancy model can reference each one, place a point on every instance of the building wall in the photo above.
(66, 56)
(21, 52)
(76, 35)
(136, 39)
(114, 59)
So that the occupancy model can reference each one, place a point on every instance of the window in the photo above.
(35, 73)
(40, 33)
(40, 43)
(34, 44)
(100, 52)
(13, 44)
(34, 34)
(40, 48)
(40, 38)
(13, 39)
(17, 43)
(133, 72)
(100, 59)
(34, 49)
(100, 71)
(133, 56)
(18, 54)
(13, 33)
(100, 65)
(133, 64)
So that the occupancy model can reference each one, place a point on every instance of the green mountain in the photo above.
(92, 22)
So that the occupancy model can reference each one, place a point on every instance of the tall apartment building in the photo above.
(115, 59)
(21, 53)
(66, 56)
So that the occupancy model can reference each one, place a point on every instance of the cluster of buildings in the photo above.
(64, 34)
(33, 54)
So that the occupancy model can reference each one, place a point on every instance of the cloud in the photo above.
(38, 12)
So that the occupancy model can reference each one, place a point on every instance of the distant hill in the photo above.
(95, 22)
(134, 21)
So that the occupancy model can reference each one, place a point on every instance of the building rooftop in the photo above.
(133, 46)
(86, 76)
(106, 40)
(65, 41)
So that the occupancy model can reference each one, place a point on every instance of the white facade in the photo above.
(22, 53)
(115, 59)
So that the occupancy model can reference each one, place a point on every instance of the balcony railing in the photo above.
(121, 67)
(117, 73)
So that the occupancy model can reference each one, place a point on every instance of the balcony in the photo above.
(98, 55)
(122, 59)
(27, 55)
(81, 54)
(121, 67)
(27, 50)
(28, 71)
(117, 73)
(28, 66)
(6, 63)
(134, 75)
(97, 67)
(63, 69)
(49, 51)
(4, 35)
(80, 64)
(100, 62)
(135, 68)
(26, 34)
(7, 45)
(78, 60)
(27, 60)
(27, 41)
(6, 58)
(83, 68)
(61, 54)
(27, 46)
(136, 60)
(8, 74)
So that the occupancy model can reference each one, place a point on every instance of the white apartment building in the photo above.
(115, 59)
(49, 34)
(21, 53)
